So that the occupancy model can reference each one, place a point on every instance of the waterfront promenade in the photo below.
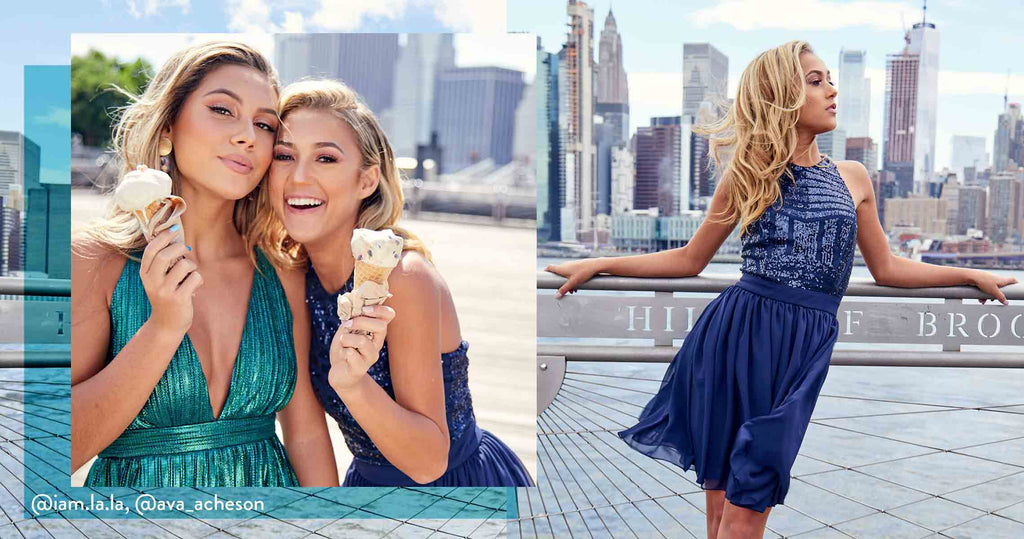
(891, 451)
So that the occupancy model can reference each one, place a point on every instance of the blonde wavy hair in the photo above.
(759, 131)
(139, 126)
(380, 210)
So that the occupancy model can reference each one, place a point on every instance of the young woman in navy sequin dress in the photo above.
(401, 397)
(736, 400)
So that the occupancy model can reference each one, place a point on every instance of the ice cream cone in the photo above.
(146, 193)
(370, 272)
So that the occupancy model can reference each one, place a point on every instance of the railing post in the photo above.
(550, 373)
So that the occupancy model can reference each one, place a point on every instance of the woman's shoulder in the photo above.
(415, 276)
(854, 170)
(291, 277)
(95, 267)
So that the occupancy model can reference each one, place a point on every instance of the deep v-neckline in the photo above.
(238, 354)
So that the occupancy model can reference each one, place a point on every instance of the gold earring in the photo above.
(165, 147)
(165, 150)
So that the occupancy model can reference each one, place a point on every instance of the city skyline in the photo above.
(971, 82)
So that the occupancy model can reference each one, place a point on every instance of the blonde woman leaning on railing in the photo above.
(737, 399)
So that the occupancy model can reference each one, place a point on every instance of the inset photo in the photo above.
(303, 260)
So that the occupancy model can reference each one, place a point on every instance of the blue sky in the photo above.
(980, 41)
(39, 32)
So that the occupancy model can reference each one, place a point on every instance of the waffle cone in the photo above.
(368, 272)
(160, 215)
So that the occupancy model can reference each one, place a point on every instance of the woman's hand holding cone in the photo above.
(170, 280)
(352, 354)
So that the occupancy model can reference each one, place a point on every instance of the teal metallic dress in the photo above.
(175, 441)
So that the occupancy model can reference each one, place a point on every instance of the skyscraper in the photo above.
(1001, 196)
(576, 119)
(705, 82)
(550, 159)
(855, 94)
(705, 77)
(612, 108)
(911, 102)
(623, 178)
(833, 144)
(366, 62)
(19, 162)
(19, 173)
(973, 204)
(924, 42)
(968, 152)
(612, 86)
(865, 151)
(474, 114)
(658, 157)
(1009, 139)
(409, 120)
(900, 119)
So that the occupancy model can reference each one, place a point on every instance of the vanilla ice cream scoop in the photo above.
(146, 193)
(376, 247)
(141, 187)
(377, 252)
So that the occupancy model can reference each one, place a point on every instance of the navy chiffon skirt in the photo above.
(736, 401)
(476, 459)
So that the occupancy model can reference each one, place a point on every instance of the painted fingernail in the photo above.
(175, 228)
(189, 247)
(367, 310)
(347, 323)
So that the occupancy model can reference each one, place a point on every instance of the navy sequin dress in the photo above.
(476, 458)
(736, 401)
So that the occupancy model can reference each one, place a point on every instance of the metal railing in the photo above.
(35, 328)
(665, 318)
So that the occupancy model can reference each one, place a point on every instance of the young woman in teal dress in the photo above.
(406, 412)
(184, 354)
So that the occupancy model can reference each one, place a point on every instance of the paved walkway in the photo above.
(890, 452)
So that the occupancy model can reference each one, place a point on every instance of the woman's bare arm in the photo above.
(106, 398)
(889, 269)
(684, 261)
(303, 422)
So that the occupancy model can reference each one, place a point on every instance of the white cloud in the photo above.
(472, 15)
(349, 15)
(656, 91)
(157, 48)
(55, 116)
(804, 14)
(293, 22)
(152, 7)
(459, 15)
(255, 16)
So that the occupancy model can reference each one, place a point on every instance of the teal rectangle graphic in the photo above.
(48, 121)
(43, 450)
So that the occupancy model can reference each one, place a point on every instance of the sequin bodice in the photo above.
(807, 239)
(454, 366)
